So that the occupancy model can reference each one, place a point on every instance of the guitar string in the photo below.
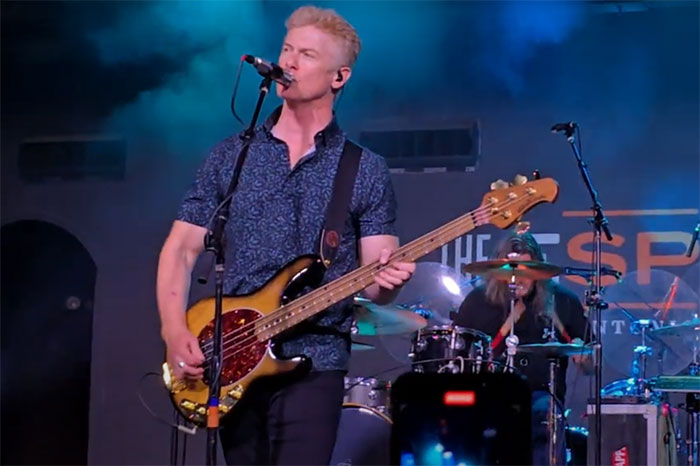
(410, 247)
(252, 333)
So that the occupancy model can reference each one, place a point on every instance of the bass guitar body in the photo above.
(245, 356)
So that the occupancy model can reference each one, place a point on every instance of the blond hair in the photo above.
(330, 22)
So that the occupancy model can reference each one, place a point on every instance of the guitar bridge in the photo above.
(197, 412)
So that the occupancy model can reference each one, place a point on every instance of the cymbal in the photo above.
(555, 349)
(504, 269)
(360, 346)
(687, 328)
(669, 354)
(372, 319)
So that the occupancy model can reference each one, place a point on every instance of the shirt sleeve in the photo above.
(378, 215)
(206, 192)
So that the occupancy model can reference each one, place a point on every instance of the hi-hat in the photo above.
(504, 269)
(555, 349)
(372, 319)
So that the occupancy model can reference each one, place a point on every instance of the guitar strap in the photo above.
(339, 205)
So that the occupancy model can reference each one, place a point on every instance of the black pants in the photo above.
(288, 419)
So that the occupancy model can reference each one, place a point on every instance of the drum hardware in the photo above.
(554, 350)
(668, 302)
(692, 407)
(512, 339)
(508, 270)
(552, 417)
(689, 384)
(449, 348)
(505, 269)
(368, 391)
(690, 328)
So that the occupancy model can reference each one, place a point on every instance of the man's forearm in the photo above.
(172, 290)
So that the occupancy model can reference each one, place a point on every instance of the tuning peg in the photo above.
(519, 180)
(522, 227)
(499, 184)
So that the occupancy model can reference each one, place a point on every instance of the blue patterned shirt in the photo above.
(277, 214)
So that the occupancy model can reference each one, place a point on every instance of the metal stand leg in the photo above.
(692, 401)
(552, 418)
(512, 340)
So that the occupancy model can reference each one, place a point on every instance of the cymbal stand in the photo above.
(692, 406)
(552, 417)
(641, 353)
(512, 340)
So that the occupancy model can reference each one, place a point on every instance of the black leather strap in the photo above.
(339, 204)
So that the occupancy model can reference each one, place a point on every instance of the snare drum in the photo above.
(448, 348)
(368, 391)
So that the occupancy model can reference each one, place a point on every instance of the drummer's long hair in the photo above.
(497, 291)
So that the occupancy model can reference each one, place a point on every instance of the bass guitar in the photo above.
(250, 321)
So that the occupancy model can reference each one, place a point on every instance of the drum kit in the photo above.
(445, 347)
(439, 348)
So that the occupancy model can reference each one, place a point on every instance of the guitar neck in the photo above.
(331, 293)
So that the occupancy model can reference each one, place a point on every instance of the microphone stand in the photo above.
(696, 232)
(214, 242)
(594, 298)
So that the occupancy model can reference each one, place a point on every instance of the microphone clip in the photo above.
(568, 128)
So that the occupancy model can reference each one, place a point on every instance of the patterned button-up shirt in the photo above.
(277, 214)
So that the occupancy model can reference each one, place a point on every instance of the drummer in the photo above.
(540, 305)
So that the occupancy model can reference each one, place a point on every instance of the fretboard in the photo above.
(322, 298)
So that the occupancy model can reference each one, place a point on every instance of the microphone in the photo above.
(588, 273)
(568, 127)
(270, 70)
(696, 233)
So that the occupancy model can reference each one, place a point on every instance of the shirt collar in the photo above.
(322, 139)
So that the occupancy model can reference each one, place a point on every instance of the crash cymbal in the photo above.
(504, 269)
(372, 319)
(555, 349)
(662, 298)
(360, 346)
(688, 328)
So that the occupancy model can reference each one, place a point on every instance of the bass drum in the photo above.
(364, 436)
(576, 446)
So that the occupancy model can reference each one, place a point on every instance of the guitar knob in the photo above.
(536, 175)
